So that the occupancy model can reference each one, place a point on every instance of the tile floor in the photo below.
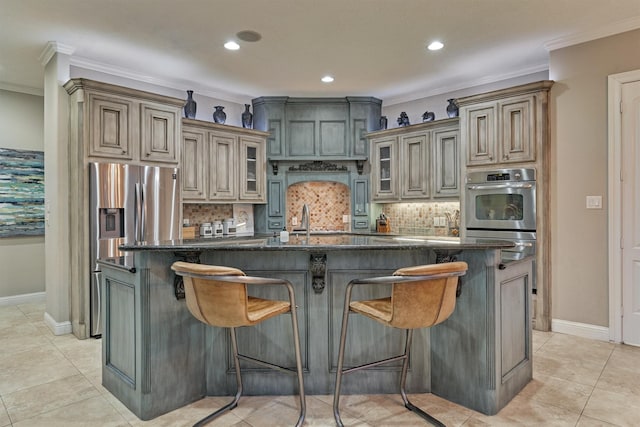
(54, 381)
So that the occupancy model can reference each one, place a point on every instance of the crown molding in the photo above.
(178, 84)
(413, 96)
(52, 48)
(587, 36)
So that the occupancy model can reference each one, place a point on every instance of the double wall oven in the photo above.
(501, 204)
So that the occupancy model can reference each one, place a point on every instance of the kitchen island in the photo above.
(158, 357)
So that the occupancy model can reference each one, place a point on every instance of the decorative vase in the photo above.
(403, 120)
(428, 116)
(247, 117)
(383, 122)
(219, 116)
(452, 108)
(190, 106)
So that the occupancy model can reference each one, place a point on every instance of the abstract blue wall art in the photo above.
(21, 193)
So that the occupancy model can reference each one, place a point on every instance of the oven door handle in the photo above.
(498, 186)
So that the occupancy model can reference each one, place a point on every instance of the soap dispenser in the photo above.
(284, 235)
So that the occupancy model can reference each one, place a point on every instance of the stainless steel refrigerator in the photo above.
(128, 204)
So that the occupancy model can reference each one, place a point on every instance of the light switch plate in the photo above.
(594, 202)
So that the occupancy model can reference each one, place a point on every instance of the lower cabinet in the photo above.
(157, 357)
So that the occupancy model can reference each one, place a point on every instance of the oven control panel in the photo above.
(502, 175)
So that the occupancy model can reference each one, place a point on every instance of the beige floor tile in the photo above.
(447, 412)
(11, 317)
(524, 412)
(620, 379)
(577, 348)
(556, 365)
(33, 367)
(32, 308)
(86, 355)
(32, 401)
(585, 421)
(4, 416)
(616, 408)
(188, 415)
(539, 338)
(95, 411)
(559, 392)
(95, 377)
(20, 337)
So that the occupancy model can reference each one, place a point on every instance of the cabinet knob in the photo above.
(148, 154)
(124, 151)
(490, 157)
(506, 157)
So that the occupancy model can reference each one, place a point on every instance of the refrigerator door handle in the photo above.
(143, 216)
(138, 219)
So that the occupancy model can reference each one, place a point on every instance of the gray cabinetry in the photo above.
(316, 128)
(360, 204)
(418, 162)
(223, 164)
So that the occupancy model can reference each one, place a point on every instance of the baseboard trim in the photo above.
(34, 298)
(57, 328)
(585, 330)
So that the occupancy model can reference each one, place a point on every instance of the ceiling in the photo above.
(371, 47)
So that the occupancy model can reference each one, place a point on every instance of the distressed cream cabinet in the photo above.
(509, 128)
(417, 162)
(505, 128)
(123, 124)
(222, 163)
(109, 123)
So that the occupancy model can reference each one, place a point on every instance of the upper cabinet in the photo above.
(417, 162)
(505, 126)
(223, 164)
(123, 124)
(316, 128)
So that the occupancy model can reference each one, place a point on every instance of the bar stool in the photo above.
(421, 297)
(217, 296)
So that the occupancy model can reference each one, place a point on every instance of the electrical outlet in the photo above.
(439, 221)
(345, 219)
(294, 220)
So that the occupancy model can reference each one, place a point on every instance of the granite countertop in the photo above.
(319, 241)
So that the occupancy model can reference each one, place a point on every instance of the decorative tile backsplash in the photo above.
(422, 218)
(327, 201)
(198, 213)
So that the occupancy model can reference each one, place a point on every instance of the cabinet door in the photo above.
(193, 165)
(110, 127)
(447, 167)
(253, 173)
(481, 134)
(384, 159)
(222, 167)
(517, 129)
(275, 199)
(416, 166)
(159, 133)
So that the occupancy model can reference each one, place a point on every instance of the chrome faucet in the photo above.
(305, 222)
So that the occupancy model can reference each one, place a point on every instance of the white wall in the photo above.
(21, 258)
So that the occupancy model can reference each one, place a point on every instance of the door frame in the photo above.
(615, 82)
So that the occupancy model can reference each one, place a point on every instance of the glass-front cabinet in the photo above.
(384, 175)
(252, 170)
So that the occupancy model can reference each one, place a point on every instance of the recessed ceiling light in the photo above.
(436, 45)
(327, 79)
(231, 45)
